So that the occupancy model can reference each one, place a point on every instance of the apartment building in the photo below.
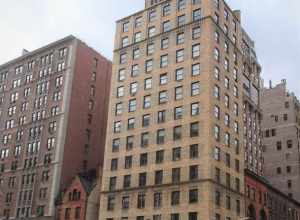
(53, 113)
(183, 71)
(281, 127)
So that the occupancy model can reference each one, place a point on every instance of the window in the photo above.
(180, 38)
(217, 132)
(194, 172)
(110, 202)
(164, 43)
(167, 26)
(227, 159)
(158, 177)
(227, 120)
(197, 15)
(175, 175)
(166, 9)
(163, 79)
(226, 101)
(131, 122)
(217, 37)
(289, 143)
(121, 75)
(217, 112)
(193, 196)
(133, 88)
(117, 127)
(194, 152)
(142, 179)
(193, 216)
(178, 93)
(217, 154)
(152, 15)
(160, 136)
(150, 49)
(146, 120)
(114, 164)
(164, 61)
(116, 145)
(151, 31)
(180, 20)
(178, 112)
(217, 54)
(147, 102)
(159, 157)
(196, 33)
(161, 116)
(226, 64)
(157, 197)
(125, 41)
(216, 92)
(144, 159)
(195, 50)
(217, 198)
(136, 53)
(149, 65)
(228, 202)
(148, 83)
(132, 105)
(137, 37)
(138, 22)
(179, 55)
(129, 142)
(123, 58)
(176, 154)
(279, 145)
(195, 109)
(217, 18)
(127, 181)
(179, 73)
(125, 27)
(195, 88)
(175, 216)
(128, 162)
(134, 70)
(181, 4)
(125, 202)
(175, 198)
(226, 83)
(163, 97)
(77, 212)
(67, 213)
(194, 129)
(196, 69)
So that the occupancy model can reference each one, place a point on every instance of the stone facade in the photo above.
(281, 124)
(53, 113)
(174, 145)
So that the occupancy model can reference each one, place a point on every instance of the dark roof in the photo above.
(88, 182)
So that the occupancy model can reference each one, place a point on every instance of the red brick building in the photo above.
(256, 197)
(264, 202)
(80, 200)
(53, 113)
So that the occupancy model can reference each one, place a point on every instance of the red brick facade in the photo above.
(73, 204)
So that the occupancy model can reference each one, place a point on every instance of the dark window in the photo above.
(175, 198)
(159, 156)
(176, 175)
(193, 196)
(193, 172)
(141, 201)
(193, 216)
(143, 159)
(157, 200)
(194, 129)
(127, 181)
(158, 177)
(142, 179)
(128, 162)
(176, 155)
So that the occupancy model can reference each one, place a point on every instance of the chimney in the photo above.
(237, 13)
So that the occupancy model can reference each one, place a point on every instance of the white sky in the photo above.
(30, 24)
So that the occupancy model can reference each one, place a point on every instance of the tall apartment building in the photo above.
(182, 72)
(281, 129)
(53, 113)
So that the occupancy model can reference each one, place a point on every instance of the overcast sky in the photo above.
(30, 24)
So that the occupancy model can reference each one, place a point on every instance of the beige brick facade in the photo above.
(199, 114)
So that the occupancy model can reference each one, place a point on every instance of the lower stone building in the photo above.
(265, 202)
(80, 200)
